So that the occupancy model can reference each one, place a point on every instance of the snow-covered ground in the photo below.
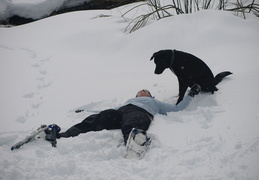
(52, 67)
(35, 9)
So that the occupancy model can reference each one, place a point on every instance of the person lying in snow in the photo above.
(137, 113)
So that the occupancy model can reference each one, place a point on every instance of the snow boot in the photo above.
(51, 134)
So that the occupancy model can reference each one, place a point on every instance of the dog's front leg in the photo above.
(182, 89)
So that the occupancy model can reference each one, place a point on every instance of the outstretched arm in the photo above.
(164, 107)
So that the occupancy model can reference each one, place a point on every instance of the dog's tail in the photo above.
(220, 76)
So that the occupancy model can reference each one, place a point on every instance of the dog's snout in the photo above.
(157, 71)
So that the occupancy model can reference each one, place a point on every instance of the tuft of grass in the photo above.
(158, 11)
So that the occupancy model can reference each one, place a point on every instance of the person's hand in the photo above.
(195, 89)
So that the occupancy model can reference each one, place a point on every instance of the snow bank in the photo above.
(35, 9)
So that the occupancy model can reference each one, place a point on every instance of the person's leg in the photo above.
(139, 121)
(107, 119)
(133, 118)
(79, 128)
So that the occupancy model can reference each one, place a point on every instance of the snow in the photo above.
(35, 9)
(52, 67)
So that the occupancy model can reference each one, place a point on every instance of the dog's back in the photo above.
(193, 70)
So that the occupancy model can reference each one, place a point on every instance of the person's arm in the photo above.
(164, 107)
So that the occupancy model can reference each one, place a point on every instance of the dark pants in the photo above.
(108, 119)
(134, 117)
(125, 118)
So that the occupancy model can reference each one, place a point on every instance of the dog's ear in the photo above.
(153, 56)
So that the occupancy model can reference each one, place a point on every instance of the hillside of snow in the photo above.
(35, 9)
(52, 67)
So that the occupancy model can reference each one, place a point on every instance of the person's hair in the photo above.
(149, 93)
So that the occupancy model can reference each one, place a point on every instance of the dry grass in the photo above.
(158, 11)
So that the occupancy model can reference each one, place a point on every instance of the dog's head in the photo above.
(162, 60)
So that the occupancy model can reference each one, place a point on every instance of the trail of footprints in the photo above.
(35, 97)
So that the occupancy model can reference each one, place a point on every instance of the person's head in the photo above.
(143, 93)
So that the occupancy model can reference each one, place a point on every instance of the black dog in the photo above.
(188, 69)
